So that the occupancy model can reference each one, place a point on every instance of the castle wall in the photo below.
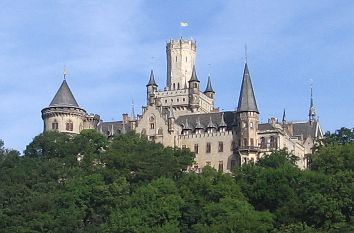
(213, 156)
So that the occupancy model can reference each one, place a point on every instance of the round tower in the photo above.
(247, 118)
(64, 114)
(181, 55)
(193, 94)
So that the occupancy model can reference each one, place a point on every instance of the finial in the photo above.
(152, 62)
(209, 69)
(245, 53)
(65, 73)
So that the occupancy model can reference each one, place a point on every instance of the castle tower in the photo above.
(181, 55)
(65, 115)
(194, 91)
(247, 118)
(151, 87)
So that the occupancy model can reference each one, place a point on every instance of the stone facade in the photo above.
(181, 115)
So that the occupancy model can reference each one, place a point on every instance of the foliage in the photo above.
(85, 183)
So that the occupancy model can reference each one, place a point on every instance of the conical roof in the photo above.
(247, 100)
(211, 124)
(152, 79)
(64, 97)
(194, 77)
(209, 88)
(198, 124)
(222, 122)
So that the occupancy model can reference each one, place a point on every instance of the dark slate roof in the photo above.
(247, 100)
(209, 88)
(204, 119)
(265, 126)
(305, 129)
(113, 128)
(194, 76)
(152, 79)
(64, 97)
(211, 123)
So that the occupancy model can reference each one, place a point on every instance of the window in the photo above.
(251, 125)
(174, 86)
(233, 164)
(178, 86)
(186, 59)
(195, 85)
(196, 148)
(184, 99)
(69, 126)
(245, 142)
(221, 147)
(273, 142)
(263, 143)
(160, 131)
(176, 58)
(152, 126)
(252, 142)
(221, 166)
(55, 125)
(208, 147)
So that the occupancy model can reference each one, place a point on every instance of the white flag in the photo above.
(184, 24)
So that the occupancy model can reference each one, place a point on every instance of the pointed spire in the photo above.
(247, 99)
(284, 117)
(152, 79)
(194, 76)
(198, 124)
(64, 97)
(222, 122)
(211, 124)
(209, 88)
(312, 110)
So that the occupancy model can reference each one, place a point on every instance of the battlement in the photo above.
(181, 44)
(207, 135)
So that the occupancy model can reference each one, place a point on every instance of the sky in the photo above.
(109, 47)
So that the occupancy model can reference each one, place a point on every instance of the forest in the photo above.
(88, 183)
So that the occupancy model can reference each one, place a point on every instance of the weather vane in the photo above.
(65, 72)
(245, 53)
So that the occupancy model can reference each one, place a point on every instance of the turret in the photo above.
(247, 120)
(151, 88)
(209, 89)
(194, 91)
(65, 115)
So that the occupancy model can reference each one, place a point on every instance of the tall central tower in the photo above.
(181, 56)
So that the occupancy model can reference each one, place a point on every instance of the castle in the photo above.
(181, 115)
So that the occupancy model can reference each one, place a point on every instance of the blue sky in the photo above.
(107, 47)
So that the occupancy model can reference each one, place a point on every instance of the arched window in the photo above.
(273, 142)
(245, 142)
(178, 86)
(69, 126)
(174, 86)
(55, 125)
(263, 143)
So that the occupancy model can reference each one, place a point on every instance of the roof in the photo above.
(197, 120)
(247, 99)
(152, 79)
(113, 128)
(64, 97)
(209, 88)
(305, 129)
(194, 75)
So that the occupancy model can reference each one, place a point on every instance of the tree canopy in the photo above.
(86, 183)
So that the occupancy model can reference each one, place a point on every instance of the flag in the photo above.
(184, 24)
